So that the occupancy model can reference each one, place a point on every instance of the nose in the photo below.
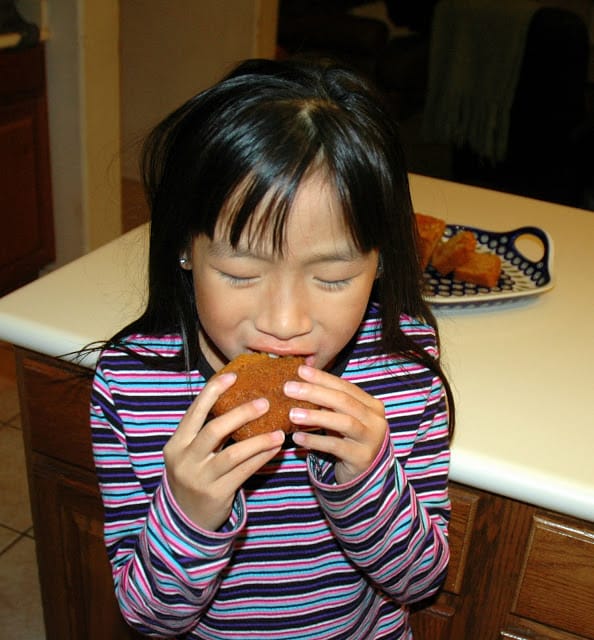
(284, 312)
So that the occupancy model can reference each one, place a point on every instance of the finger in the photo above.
(325, 443)
(352, 457)
(240, 460)
(198, 411)
(332, 422)
(229, 473)
(241, 473)
(206, 447)
(361, 427)
(205, 490)
(218, 430)
(343, 401)
(331, 382)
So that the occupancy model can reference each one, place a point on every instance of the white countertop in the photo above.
(83, 301)
(522, 371)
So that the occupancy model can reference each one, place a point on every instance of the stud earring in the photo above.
(184, 262)
(380, 268)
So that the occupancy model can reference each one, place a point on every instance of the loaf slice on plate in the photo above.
(430, 230)
(483, 269)
(454, 252)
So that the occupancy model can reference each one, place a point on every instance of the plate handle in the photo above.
(542, 235)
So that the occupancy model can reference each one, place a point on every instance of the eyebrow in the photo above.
(219, 249)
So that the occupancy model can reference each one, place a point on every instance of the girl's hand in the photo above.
(205, 477)
(355, 425)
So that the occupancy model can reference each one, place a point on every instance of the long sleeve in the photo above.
(165, 569)
(392, 521)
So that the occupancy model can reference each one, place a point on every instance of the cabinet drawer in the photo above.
(55, 407)
(557, 584)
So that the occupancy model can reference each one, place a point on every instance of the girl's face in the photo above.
(308, 302)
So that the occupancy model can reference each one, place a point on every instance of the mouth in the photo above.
(309, 357)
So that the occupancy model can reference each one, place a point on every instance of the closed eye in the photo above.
(334, 285)
(237, 281)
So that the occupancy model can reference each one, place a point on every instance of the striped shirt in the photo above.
(300, 556)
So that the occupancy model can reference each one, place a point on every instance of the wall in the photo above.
(82, 60)
(151, 54)
(170, 51)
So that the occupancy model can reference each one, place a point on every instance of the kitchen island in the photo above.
(522, 531)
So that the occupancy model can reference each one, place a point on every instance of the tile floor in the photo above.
(20, 602)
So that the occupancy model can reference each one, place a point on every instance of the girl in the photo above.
(281, 223)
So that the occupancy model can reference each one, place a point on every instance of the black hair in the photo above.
(260, 132)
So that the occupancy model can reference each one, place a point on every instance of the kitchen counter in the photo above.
(521, 370)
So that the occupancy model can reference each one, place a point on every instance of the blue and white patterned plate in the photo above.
(520, 276)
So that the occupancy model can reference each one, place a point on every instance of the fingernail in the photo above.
(292, 387)
(298, 438)
(296, 414)
(278, 436)
(261, 404)
(305, 371)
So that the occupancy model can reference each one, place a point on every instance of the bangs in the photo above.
(258, 209)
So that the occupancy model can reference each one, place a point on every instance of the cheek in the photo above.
(208, 304)
(219, 311)
(343, 318)
(216, 331)
(350, 320)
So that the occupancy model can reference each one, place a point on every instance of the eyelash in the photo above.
(237, 281)
(243, 281)
(334, 285)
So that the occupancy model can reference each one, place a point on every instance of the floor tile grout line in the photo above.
(9, 423)
(11, 528)
(27, 531)
(20, 535)
(11, 545)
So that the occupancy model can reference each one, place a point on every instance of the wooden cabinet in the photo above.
(75, 577)
(556, 585)
(516, 572)
(26, 219)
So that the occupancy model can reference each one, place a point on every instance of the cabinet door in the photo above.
(556, 587)
(528, 630)
(18, 189)
(434, 621)
(77, 587)
(74, 572)
(26, 219)
(56, 426)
